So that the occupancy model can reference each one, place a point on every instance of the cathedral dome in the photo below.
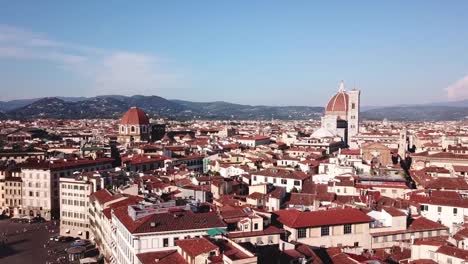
(135, 116)
(339, 102)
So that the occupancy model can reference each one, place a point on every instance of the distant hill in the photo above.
(224, 110)
(113, 106)
(14, 104)
(52, 107)
(461, 103)
(417, 113)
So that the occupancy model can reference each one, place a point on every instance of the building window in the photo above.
(325, 231)
(356, 244)
(439, 209)
(255, 226)
(423, 207)
(449, 260)
(353, 106)
(301, 233)
(132, 129)
(455, 211)
(297, 183)
(165, 242)
(347, 229)
(284, 181)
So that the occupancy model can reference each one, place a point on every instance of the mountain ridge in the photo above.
(113, 106)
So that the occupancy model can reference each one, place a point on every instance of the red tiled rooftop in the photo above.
(63, 164)
(102, 196)
(298, 219)
(305, 199)
(393, 211)
(135, 116)
(163, 222)
(161, 257)
(197, 246)
(453, 252)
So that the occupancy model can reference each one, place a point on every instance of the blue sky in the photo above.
(253, 52)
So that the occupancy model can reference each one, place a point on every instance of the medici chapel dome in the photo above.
(134, 116)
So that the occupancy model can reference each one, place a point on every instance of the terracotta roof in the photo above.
(256, 196)
(302, 199)
(143, 159)
(453, 252)
(63, 164)
(102, 196)
(338, 103)
(161, 257)
(448, 183)
(163, 222)
(463, 203)
(196, 246)
(298, 219)
(393, 211)
(460, 168)
(461, 235)
(424, 224)
(351, 152)
(134, 116)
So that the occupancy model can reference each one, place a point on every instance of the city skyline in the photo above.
(245, 53)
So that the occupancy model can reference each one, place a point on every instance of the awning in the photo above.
(216, 231)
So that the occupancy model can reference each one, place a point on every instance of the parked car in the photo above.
(66, 239)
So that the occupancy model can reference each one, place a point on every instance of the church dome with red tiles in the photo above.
(134, 116)
(338, 103)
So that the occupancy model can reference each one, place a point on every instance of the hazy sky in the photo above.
(253, 52)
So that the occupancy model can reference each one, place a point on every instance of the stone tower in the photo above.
(353, 113)
(403, 143)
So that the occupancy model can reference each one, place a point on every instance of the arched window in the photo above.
(132, 129)
(122, 128)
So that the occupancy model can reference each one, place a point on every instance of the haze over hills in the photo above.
(113, 106)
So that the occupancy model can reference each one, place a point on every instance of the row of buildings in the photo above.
(336, 191)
